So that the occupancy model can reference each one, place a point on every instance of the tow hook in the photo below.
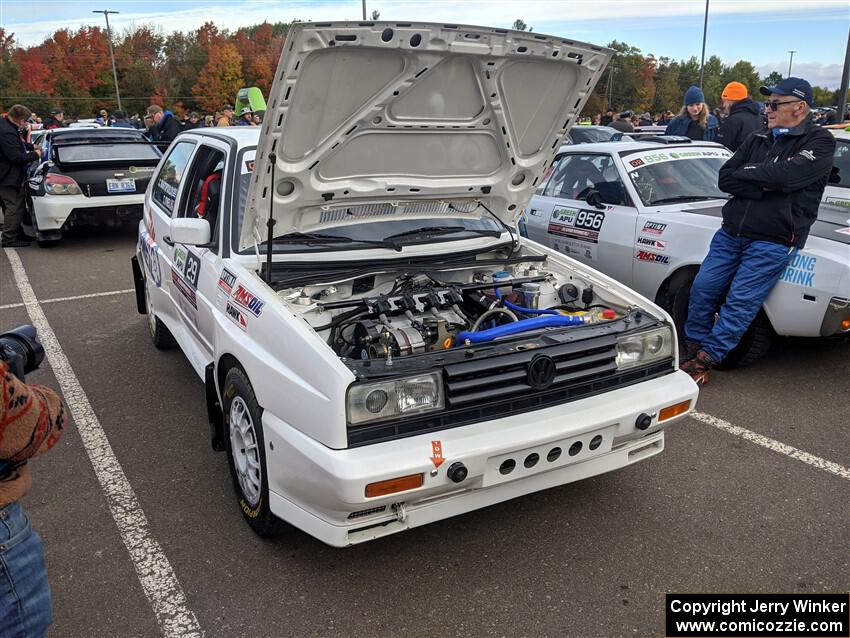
(400, 512)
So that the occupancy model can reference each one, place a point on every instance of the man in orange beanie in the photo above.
(743, 116)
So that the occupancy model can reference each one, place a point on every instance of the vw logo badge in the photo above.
(541, 372)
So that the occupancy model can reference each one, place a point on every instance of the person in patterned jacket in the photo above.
(32, 419)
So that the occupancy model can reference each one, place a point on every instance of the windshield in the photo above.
(666, 177)
(129, 150)
(582, 135)
(841, 163)
(406, 232)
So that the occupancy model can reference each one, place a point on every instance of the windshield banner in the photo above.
(655, 156)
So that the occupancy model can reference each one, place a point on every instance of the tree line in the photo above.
(204, 68)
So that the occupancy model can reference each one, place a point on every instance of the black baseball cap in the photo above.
(795, 87)
(56, 110)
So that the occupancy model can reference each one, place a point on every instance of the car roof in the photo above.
(626, 148)
(242, 135)
(89, 132)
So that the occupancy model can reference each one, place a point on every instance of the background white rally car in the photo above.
(657, 207)
(837, 191)
(379, 349)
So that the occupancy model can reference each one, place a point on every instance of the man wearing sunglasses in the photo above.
(776, 179)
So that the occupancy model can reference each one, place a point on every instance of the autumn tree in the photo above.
(221, 77)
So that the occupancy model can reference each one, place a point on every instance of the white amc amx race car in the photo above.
(645, 212)
(380, 349)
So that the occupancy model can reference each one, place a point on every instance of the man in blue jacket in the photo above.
(15, 154)
(776, 179)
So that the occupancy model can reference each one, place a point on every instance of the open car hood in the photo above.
(387, 120)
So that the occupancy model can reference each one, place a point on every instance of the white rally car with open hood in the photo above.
(645, 212)
(380, 350)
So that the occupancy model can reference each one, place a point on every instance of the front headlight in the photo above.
(644, 347)
(398, 397)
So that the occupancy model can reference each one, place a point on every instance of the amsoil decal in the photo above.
(651, 242)
(248, 300)
(573, 222)
(185, 289)
(645, 255)
(800, 271)
(226, 281)
(653, 228)
(236, 316)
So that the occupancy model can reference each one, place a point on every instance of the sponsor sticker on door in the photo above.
(653, 228)
(226, 281)
(645, 255)
(652, 242)
(246, 299)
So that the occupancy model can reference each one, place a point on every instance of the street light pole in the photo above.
(364, 9)
(704, 33)
(790, 62)
(112, 53)
(845, 80)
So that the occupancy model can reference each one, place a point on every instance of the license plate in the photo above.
(121, 185)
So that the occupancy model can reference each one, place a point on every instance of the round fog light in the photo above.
(376, 401)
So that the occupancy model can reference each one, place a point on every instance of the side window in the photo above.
(559, 170)
(170, 176)
(841, 164)
(577, 175)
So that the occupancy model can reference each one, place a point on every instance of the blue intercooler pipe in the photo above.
(523, 325)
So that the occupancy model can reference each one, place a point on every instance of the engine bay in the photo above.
(394, 314)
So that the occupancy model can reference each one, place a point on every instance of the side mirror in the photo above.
(189, 231)
(594, 198)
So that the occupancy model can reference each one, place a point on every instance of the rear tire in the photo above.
(246, 453)
(754, 344)
(160, 335)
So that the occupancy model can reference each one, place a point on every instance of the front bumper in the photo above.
(322, 491)
(52, 211)
(836, 318)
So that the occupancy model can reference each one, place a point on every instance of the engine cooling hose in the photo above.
(526, 311)
(523, 325)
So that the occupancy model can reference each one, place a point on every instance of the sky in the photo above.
(761, 31)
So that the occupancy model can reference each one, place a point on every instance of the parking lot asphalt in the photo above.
(714, 513)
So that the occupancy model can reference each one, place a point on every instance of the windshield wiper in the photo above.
(434, 231)
(319, 239)
(682, 198)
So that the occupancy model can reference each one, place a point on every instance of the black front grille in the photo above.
(473, 382)
(497, 387)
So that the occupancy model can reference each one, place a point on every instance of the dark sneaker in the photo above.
(14, 243)
(689, 351)
(699, 367)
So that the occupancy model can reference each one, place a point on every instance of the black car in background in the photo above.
(89, 176)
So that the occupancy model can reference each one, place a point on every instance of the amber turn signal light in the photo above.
(674, 410)
(391, 486)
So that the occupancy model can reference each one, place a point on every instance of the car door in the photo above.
(560, 217)
(196, 269)
(161, 206)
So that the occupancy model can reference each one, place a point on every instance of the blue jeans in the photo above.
(748, 269)
(25, 605)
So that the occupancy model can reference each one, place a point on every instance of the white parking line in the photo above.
(152, 567)
(74, 298)
(772, 444)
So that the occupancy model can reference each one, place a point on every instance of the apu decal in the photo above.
(180, 259)
(651, 242)
(800, 271)
(226, 281)
(644, 255)
(653, 228)
(248, 300)
(236, 316)
(581, 224)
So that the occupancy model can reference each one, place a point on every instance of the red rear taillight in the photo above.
(60, 185)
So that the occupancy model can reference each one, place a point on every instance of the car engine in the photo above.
(391, 315)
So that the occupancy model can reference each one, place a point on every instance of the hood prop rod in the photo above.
(270, 224)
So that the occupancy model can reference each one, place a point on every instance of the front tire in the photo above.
(753, 345)
(246, 453)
